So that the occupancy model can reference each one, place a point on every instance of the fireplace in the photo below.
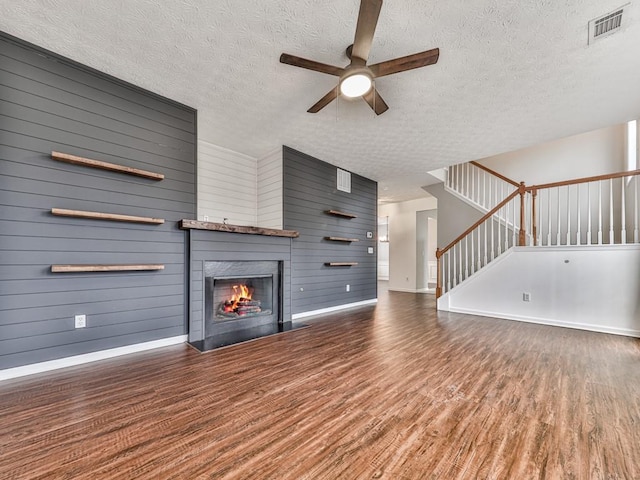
(241, 295)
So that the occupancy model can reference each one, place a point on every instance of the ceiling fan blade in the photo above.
(402, 64)
(375, 101)
(324, 101)
(366, 27)
(310, 64)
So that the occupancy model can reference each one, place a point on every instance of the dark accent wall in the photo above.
(222, 246)
(310, 190)
(50, 103)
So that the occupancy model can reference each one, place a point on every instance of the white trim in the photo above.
(554, 323)
(311, 313)
(88, 357)
(413, 290)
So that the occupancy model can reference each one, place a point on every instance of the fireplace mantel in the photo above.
(186, 224)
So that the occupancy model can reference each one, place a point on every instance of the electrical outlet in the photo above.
(81, 321)
(369, 250)
(348, 288)
(526, 297)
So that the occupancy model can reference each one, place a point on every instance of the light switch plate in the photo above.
(369, 249)
(369, 234)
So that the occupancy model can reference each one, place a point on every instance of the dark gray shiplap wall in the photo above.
(310, 190)
(49, 103)
(223, 246)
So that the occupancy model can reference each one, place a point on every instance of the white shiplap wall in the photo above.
(270, 193)
(227, 185)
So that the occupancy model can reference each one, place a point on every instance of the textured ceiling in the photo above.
(511, 73)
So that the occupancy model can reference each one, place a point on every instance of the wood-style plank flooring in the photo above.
(395, 391)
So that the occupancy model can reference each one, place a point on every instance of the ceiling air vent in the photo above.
(344, 181)
(606, 25)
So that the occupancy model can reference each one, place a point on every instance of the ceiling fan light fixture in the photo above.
(356, 85)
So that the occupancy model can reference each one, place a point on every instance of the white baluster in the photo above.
(478, 190)
(558, 232)
(460, 270)
(600, 213)
(490, 198)
(473, 182)
(484, 188)
(479, 249)
(506, 226)
(568, 214)
(448, 270)
(499, 216)
(611, 233)
(623, 233)
(473, 258)
(636, 239)
(588, 213)
(549, 216)
(467, 193)
(490, 220)
(455, 267)
(578, 235)
(538, 208)
(485, 240)
(515, 233)
(466, 257)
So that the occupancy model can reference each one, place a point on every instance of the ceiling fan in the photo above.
(356, 79)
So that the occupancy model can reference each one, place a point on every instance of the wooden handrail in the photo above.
(494, 173)
(487, 215)
(596, 178)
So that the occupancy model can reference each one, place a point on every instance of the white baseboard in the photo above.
(321, 311)
(627, 332)
(413, 290)
(88, 357)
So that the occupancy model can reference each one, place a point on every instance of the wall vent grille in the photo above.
(606, 25)
(344, 181)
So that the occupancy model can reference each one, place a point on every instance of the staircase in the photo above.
(600, 210)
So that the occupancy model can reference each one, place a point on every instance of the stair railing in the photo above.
(482, 242)
(478, 184)
(599, 210)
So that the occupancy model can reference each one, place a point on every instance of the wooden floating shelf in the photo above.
(105, 216)
(104, 268)
(342, 239)
(223, 227)
(341, 264)
(87, 162)
(338, 213)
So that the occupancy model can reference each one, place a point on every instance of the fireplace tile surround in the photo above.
(221, 252)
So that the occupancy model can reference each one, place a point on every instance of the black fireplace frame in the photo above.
(243, 269)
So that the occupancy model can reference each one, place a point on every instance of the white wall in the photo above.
(402, 241)
(592, 288)
(593, 153)
(226, 185)
(270, 190)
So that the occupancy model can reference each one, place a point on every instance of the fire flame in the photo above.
(240, 292)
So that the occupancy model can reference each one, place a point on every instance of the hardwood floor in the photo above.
(394, 391)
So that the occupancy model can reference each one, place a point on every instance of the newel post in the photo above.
(438, 274)
(522, 237)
